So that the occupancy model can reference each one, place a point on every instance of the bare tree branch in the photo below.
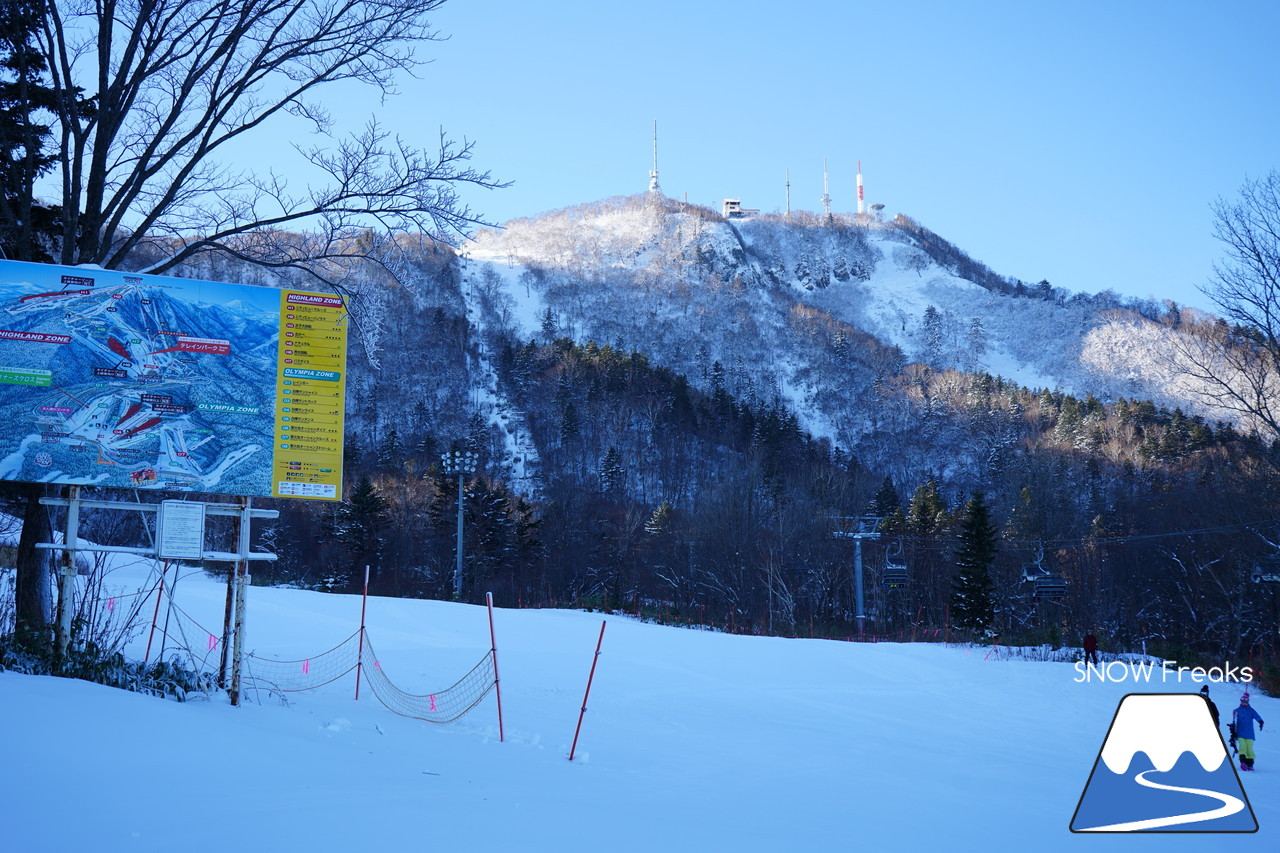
(1236, 364)
(174, 82)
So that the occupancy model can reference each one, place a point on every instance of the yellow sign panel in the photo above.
(310, 391)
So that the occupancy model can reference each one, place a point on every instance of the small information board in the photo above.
(181, 530)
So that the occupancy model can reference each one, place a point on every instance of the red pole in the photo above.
(364, 601)
(493, 647)
(156, 614)
(590, 678)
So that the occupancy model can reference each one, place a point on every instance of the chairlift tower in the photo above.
(857, 529)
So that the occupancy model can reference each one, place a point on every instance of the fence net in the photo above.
(442, 706)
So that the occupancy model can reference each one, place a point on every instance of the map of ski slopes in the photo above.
(117, 379)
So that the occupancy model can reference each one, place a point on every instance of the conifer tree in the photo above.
(360, 522)
(886, 501)
(972, 591)
(27, 228)
(390, 451)
(927, 513)
(933, 337)
(612, 474)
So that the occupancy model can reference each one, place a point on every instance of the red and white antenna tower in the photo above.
(860, 209)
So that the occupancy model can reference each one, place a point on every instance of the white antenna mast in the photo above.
(788, 193)
(826, 190)
(653, 175)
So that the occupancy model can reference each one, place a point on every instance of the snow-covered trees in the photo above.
(911, 259)
(931, 331)
(1238, 362)
(972, 590)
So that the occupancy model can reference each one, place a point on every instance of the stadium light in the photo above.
(461, 463)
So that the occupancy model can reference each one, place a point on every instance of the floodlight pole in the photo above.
(457, 569)
(462, 463)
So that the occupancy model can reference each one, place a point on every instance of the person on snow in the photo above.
(1213, 709)
(1243, 718)
(1090, 648)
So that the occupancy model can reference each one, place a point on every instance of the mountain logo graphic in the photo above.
(1163, 768)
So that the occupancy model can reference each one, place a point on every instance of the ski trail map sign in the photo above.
(1163, 768)
(110, 378)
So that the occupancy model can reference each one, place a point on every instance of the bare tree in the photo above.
(1237, 363)
(175, 83)
(151, 95)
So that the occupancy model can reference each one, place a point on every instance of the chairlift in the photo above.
(895, 575)
(1267, 569)
(1044, 583)
(1049, 586)
(895, 570)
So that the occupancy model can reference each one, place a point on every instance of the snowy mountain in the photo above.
(670, 407)
(776, 299)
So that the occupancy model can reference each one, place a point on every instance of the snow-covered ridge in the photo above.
(871, 277)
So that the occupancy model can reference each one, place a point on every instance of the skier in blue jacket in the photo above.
(1243, 718)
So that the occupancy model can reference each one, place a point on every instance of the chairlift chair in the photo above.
(895, 570)
(1267, 569)
(895, 575)
(1049, 586)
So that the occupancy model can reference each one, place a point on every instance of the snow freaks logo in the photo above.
(1163, 768)
(1145, 672)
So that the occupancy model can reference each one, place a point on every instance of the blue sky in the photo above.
(1081, 143)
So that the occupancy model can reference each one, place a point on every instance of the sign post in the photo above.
(181, 531)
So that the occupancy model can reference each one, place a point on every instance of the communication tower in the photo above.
(826, 189)
(860, 209)
(653, 174)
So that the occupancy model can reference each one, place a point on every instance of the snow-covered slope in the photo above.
(774, 299)
(692, 741)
